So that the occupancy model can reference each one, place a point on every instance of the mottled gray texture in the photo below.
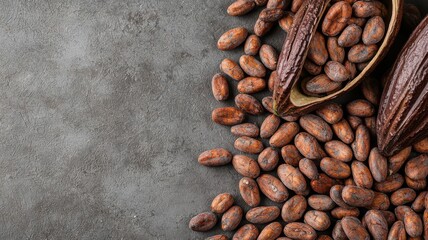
(104, 108)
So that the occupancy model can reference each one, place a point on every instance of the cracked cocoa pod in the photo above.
(403, 118)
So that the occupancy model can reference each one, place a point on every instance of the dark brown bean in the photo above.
(203, 222)
(392, 183)
(221, 203)
(376, 224)
(269, 126)
(338, 233)
(294, 208)
(380, 201)
(421, 146)
(354, 229)
(260, 215)
(336, 71)
(419, 204)
(323, 184)
(361, 144)
(335, 51)
(271, 14)
(361, 175)
(378, 165)
(312, 68)
(317, 51)
(336, 196)
(268, 159)
(417, 167)
(231, 218)
(249, 191)
(374, 31)
(397, 231)
(319, 85)
(308, 168)
(403, 196)
(261, 28)
(341, 212)
(272, 188)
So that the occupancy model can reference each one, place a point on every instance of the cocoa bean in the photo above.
(338, 233)
(261, 28)
(317, 51)
(331, 113)
(249, 191)
(286, 22)
(350, 36)
(380, 201)
(378, 165)
(252, 66)
(248, 145)
(336, 52)
(246, 232)
(336, 196)
(361, 53)
(392, 183)
(292, 178)
(419, 204)
(269, 56)
(335, 168)
(308, 146)
(271, 14)
(360, 108)
(317, 127)
(417, 167)
(338, 150)
(261, 2)
(336, 71)
(260, 215)
(246, 166)
(361, 144)
(308, 168)
(318, 220)
(252, 45)
(272, 188)
(321, 202)
(416, 184)
(320, 84)
(341, 212)
(250, 85)
(354, 229)
(362, 66)
(403, 196)
(220, 87)
(267, 103)
(203, 222)
(221, 203)
(376, 224)
(295, 5)
(284, 134)
(280, 4)
(343, 131)
(271, 231)
(374, 31)
(421, 146)
(323, 184)
(389, 216)
(361, 22)
(245, 129)
(291, 155)
(248, 104)
(269, 126)
(232, 38)
(364, 9)
(312, 68)
(272, 79)
(215, 157)
(413, 223)
(397, 231)
(336, 18)
(352, 69)
(297, 230)
(268, 159)
(357, 196)
(396, 161)
(217, 237)
(361, 174)
(241, 7)
(232, 69)
(294, 208)
(231, 218)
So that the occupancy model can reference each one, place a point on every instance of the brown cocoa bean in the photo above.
(338, 150)
(284, 134)
(215, 157)
(248, 104)
(357, 196)
(378, 165)
(220, 87)
(308, 146)
(248, 145)
(425, 218)
(361, 53)
(354, 229)
(297, 230)
(323, 184)
(217, 237)
(261, 2)
(308, 168)
(361, 144)
(232, 38)
(260, 215)
(268, 159)
(321, 202)
(272, 79)
(341, 212)
(245, 129)
(324, 237)
(291, 155)
(403, 196)
(271, 14)
(350, 181)
(331, 113)
(286, 22)
(400, 211)
(396, 161)
(370, 123)
(397, 231)
(392, 183)
(338, 233)
(269, 56)
(357, 21)
(271, 231)
(336, 196)
(249, 191)
(380, 201)
(360, 108)
(280, 4)
(336, 71)
(252, 45)
(246, 232)
(272, 188)
(320, 84)
(335, 168)
(352, 69)
(361, 174)
(232, 69)
(417, 167)
(203, 222)
(374, 31)
(318, 220)
(251, 85)
(292, 178)
(416, 184)
(312, 68)
(261, 28)
(269, 126)
(362, 66)
(294, 208)
(317, 127)
(221, 203)
(317, 51)
(252, 66)
(336, 52)
(343, 131)
(267, 103)
(350, 36)
(376, 224)
(241, 7)
(421, 146)
(389, 216)
(231, 218)
(246, 166)
(364, 9)
(419, 204)
(413, 223)
(336, 18)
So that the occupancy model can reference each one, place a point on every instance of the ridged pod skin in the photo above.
(403, 116)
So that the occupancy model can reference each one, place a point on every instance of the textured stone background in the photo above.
(104, 108)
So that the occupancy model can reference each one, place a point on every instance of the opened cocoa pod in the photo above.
(289, 97)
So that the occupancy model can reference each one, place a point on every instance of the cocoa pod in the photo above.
(361, 144)
(286, 22)
(261, 28)
(294, 208)
(297, 230)
(397, 231)
(317, 51)
(271, 231)
(371, 90)
(252, 66)
(361, 53)
(203, 222)
(396, 161)
(272, 188)
(232, 69)
(376, 224)
(374, 31)
(267, 103)
(272, 79)
(251, 85)
(248, 145)
(280, 4)
(421, 146)
(360, 108)
(232, 38)
(392, 183)
(271, 14)
(357, 196)
(269, 126)
(393, 106)
(417, 167)
(357, 21)
(249, 191)
(350, 36)
(308, 168)
(308, 146)
(335, 51)
(416, 184)
(403, 196)
(231, 218)
(341, 212)
(312, 68)
(338, 233)
(292, 178)
(269, 56)
(336, 196)
(220, 87)
(318, 220)
(245, 129)
(260, 215)
(338, 150)
(217, 237)
(336, 71)
(246, 166)
(352, 69)
(320, 84)
(343, 131)
(246, 232)
(268, 159)
(321, 202)
(364, 9)
(378, 165)
(317, 127)
(336, 18)
(354, 229)
(215, 157)
(252, 45)
(284, 134)
(296, 5)
(248, 104)
(361, 174)
(239, 8)
(331, 113)
(413, 223)
(323, 184)
(380, 201)
(291, 155)
(221, 203)
(419, 204)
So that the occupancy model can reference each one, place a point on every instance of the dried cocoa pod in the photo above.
(357, 196)
(321, 202)
(374, 31)
(272, 188)
(248, 104)
(260, 215)
(231, 218)
(350, 36)
(413, 223)
(308, 168)
(335, 168)
(361, 144)
(252, 45)
(249, 191)
(378, 165)
(252, 66)
(291, 155)
(336, 71)
(246, 166)
(371, 91)
(272, 79)
(331, 113)
(317, 127)
(248, 145)
(421, 146)
(280, 4)
(217, 237)
(269, 56)
(352, 69)
(392, 183)
(335, 51)
(221, 203)
(292, 178)
(354, 229)
(336, 18)
(338, 233)
(286, 22)
(336, 196)
(416, 184)
(215, 157)
(376, 224)
(317, 51)
(357, 21)
(318, 220)
(360, 108)
(232, 38)
(269, 126)
(323, 184)
(312, 68)
(364, 9)
(284, 134)
(245, 129)
(251, 85)
(268, 159)
(395, 131)
(220, 87)
(271, 14)
(203, 222)
(343, 131)
(232, 69)
(267, 103)
(341, 212)
(297, 230)
(361, 174)
(417, 167)
(397, 231)
(241, 7)
(294, 208)
(419, 204)
(320, 84)
(361, 53)
(396, 161)
(308, 146)
(380, 202)
(261, 28)
(338, 150)
(403, 196)
(271, 231)
(246, 232)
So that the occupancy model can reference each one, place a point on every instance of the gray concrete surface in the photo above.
(104, 108)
